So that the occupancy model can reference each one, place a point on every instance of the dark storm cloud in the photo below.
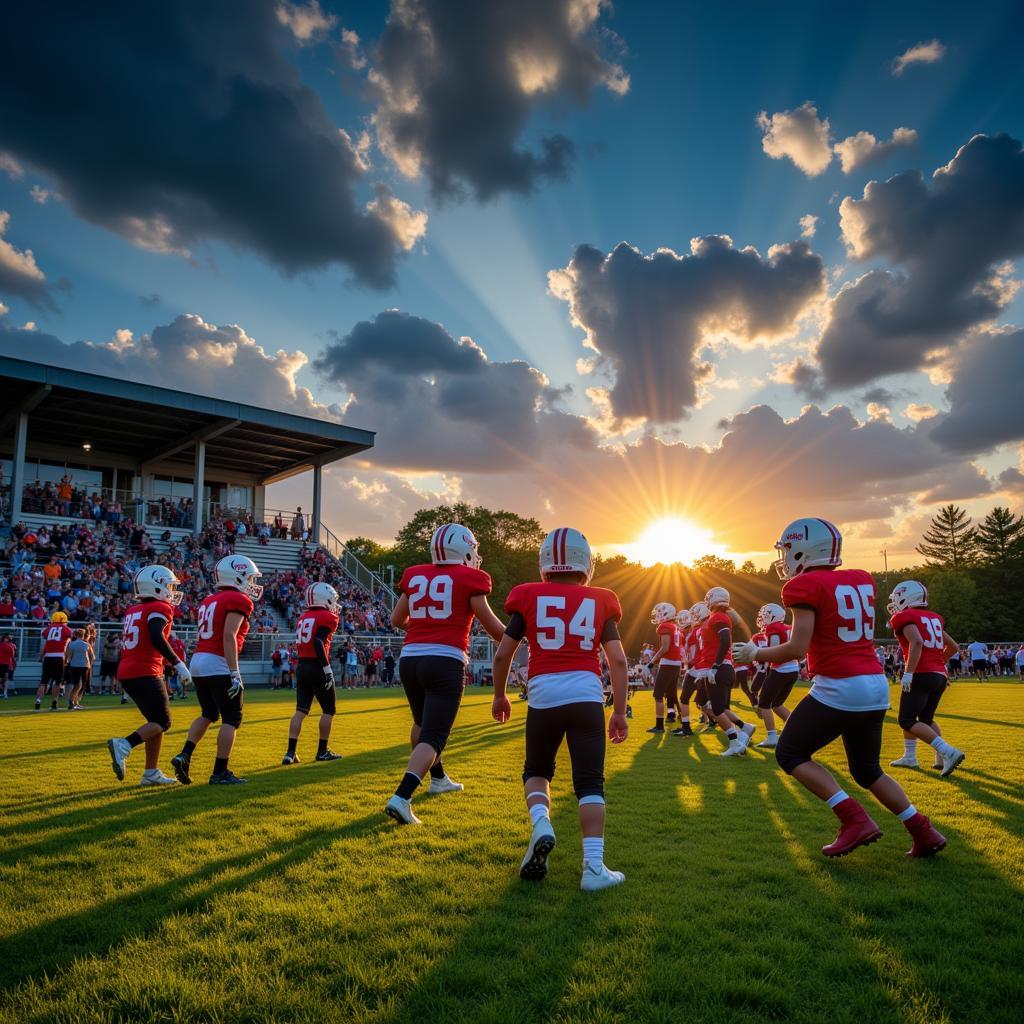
(648, 316)
(456, 83)
(949, 238)
(173, 123)
(438, 403)
(986, 404)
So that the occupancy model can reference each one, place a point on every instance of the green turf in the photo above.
(293, 898)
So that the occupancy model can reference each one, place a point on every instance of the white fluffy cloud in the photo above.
(808, 225)
(306, 21)
(20, 275)
(922, 53)
(862, 149)
(799, 135)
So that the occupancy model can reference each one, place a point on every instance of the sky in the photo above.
(603, 265)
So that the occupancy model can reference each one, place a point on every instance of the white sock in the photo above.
(941, 746)
(910, 748)
(908, 813)
(838, 798)
(773, 734)
(593, 850)
(537, 811)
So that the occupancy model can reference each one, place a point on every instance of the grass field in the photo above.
(294, 899)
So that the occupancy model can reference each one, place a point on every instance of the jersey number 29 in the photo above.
(431, 598)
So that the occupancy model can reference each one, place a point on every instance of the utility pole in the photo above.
(885, 557)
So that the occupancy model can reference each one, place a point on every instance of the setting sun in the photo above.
(672, 540)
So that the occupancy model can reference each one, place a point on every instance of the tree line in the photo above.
(973, 573)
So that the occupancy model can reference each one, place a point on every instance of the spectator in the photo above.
(298, 526)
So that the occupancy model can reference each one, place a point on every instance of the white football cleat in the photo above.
(906, 761)
(768, 744)
(155, 777)
(735, 749)
(599, 877)
(401, 811)
(937, 765)
(535, 864)
(952, 761)
(119, 751)
(445, 785)
(748, 730)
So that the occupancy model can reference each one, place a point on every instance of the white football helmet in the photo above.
(683, 619)
(699, 613)
(157, 581)
(662, 612)
(454, 544)
(566, 550)
(239, 573)
(322, 595)
(770, 613)
(908, 594)
(806, 543)
(716, 595)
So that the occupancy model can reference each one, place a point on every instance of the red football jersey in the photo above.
(671, 630)
(564, 624)
(929, 625)
(439, 609)
(56, 638)
(178, 646)
(708, 640)
(311, 620)
(844, 622)
(138, 655)
(213, 610)
(8, 654)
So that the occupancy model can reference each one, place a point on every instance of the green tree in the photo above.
(369, 552)
(950, 541)
(713, 563)
(1001, 537)
(954, 596)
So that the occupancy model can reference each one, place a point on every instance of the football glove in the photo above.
(907, 681)
(744, 652)
(183, 673)
(236, 686)
(328, 677)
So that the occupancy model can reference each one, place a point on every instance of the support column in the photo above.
(198, 481)
(314, 522)
(18, 465)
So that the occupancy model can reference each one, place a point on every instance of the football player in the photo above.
(56, 637)
(926, 647)
(715, 666)
(436, 607)
(761, 670)
(567, 624)
(314, 677)
(222, 625)
(144, 648)
(667, 661)
(781, 675)
(684, 624)
(834, 625)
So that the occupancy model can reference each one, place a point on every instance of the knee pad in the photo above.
(533, 770)
(865, 773)
(592, 798)
(588, 784)
(434, 740)
(906, 721)
(789, 760)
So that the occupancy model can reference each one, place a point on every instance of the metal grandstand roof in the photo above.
(155, 424)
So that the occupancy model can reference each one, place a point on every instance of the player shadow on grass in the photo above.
(96, 930)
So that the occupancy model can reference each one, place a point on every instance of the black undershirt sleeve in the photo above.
(516, 627)
(159, 641)
(320, 643)
(610, 631)
(724, 639)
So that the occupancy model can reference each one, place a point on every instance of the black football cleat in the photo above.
(226, 778)
(180, 763)
(328, 755)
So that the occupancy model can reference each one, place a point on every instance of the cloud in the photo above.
(984, 395)
(349, 50)
(20, 276)
(11, 167)
(918, 411)
(455, 86)
(951, 240)
(187, 354)
(152, 299)
(306, 21)
(799, 135)
(808, 225)
(40, 195)
(923, 53)
(440, 403)
(862, 149)
(407, 225)
(188, 125)
(649, 317)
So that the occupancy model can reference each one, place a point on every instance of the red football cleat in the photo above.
(856, 829)
(928, 840)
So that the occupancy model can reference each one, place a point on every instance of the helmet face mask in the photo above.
(566, 550)
(455, 544)
(806, 544)
(158, 583)
(699, 613)
(770, 613)
(683, 620)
